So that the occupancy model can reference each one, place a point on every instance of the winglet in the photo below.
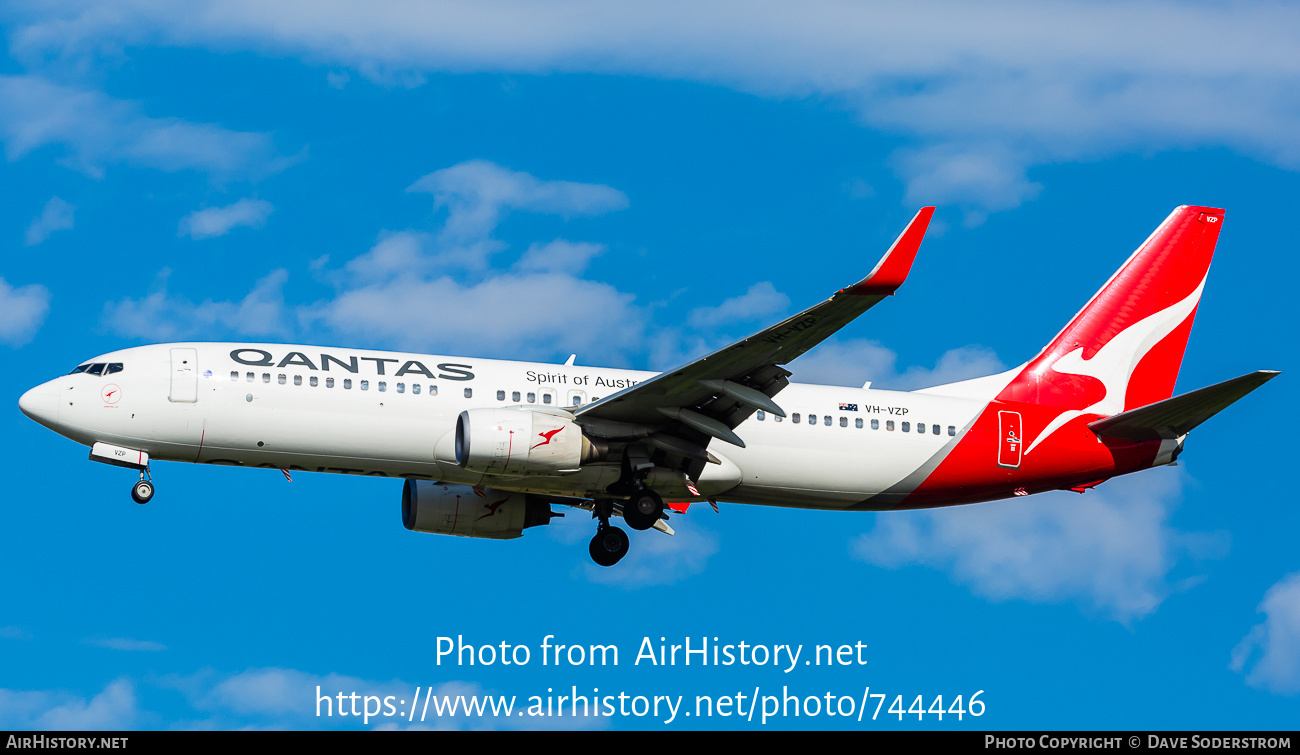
(892, 269)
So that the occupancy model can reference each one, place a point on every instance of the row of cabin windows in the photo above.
(828, 421)
(382, 386)
(547, 397)
(314, 381)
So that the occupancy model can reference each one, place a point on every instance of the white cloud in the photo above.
(126, 644)
(218, 221)
(56, 216)
(161, 316)
(477, 192)
(1273, 647)
(762, 300)
(15, 633)
(289, 698)
(985, 91)
(659, 559)
(515, 315)
(854, 361)
(113, 709)
(1111, 550)
(400, 292)
(22, 310)
(93, 130)
(559, 256)
(983, 175)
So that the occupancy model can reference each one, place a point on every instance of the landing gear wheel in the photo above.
(609, 546)
(643, 510)
(142, 492)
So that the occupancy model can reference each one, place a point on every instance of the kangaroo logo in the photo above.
(547, 437)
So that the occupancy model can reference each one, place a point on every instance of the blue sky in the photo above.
(639, 186)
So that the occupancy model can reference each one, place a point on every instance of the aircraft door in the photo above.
(1010, 439)
(185, 376)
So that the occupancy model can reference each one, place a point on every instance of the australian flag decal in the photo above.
(848, 407)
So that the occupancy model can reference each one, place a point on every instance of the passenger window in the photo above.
(415, 388)
(469, 393)
(920, 427)
(297, 379)
(875, 424)
(329, 382)
(760, 415)
(365, 385)
(577, 400)
(532, 398)
(501, 395)
(952, 430)
(248, 377)
(889, 424)
(234, 375)
(314, 381)
(383, 386)
(795, 418)
(934, 429)
(844, 421)
(113, 367)
(776, 417)
(347, 384)
(266, 377)
(514, 396)
(857, 422)
(827, 420)
(594, 399)
(433, 390)
(546, 398)
(812, 419)
(401, 387)
(281, 380)
(907, 426)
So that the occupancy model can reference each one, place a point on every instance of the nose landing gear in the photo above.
(142, 491)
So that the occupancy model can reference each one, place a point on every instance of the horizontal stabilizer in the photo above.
(1175, 417)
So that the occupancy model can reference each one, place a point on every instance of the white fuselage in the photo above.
(387, 414)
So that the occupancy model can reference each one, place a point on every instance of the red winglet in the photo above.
(892, 269)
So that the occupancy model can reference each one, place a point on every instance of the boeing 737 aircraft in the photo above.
(487, 447)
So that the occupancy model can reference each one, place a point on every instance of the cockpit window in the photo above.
(99, 368)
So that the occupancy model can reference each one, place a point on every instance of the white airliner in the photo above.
(486, 447)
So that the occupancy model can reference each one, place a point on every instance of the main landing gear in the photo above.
(142, 491)
(641, 512)
(610, 544)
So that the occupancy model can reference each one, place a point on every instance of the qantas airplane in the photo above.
(486, 447)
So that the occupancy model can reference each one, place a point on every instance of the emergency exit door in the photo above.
(185, 376)
(1010, 439)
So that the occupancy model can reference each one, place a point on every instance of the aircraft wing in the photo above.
(679, 411)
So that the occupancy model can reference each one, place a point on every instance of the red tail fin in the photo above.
(1123, 350)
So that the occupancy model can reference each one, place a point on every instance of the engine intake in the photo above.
(445, 509)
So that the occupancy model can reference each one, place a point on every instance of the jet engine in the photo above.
(516, 441)
(460, 510)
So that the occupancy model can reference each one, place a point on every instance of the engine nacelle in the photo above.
(458, 510)
(516, 441)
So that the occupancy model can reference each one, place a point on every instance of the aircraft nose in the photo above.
(41, 404)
